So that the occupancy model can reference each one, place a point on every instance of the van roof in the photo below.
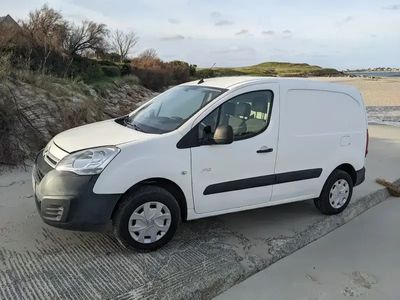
(290, 83)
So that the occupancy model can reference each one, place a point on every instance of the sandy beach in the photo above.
(380, 91)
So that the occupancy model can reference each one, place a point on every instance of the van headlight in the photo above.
(89, 161)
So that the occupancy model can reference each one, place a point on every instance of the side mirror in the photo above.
(223, 135)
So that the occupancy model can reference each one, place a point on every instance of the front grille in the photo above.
(53, 212)
(50, 159)
(41, 167)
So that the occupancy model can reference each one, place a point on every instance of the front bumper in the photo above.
(66, 200)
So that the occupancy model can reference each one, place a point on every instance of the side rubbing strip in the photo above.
(253, 182)
(297, 175)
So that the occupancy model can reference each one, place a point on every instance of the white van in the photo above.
(205, 148)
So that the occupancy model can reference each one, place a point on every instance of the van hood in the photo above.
(105, 133)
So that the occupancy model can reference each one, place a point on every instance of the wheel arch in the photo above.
(346, 167)
(168, 185)
(349, 169)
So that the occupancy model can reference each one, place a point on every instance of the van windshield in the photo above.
(171, 109)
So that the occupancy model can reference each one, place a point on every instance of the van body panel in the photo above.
(139, 161)
(98, 134)
(236, 165)
(319, 128)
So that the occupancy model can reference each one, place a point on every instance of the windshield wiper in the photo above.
(130, 124)
(137, 128)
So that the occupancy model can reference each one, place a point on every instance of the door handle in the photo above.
(265, 150)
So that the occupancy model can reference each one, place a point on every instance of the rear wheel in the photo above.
(147, 218)
(336, 193)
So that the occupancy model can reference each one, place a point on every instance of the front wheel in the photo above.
(336, 193)
(147, 218)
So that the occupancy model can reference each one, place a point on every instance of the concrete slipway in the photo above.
(359, 260)
(207, 256)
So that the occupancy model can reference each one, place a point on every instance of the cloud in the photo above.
(348, 19)
(173, 37)
(344, 21)
(174, 21)
(216, 15)
(267, 32)
(287, 34)
(219, 20)
(242, 32)
(392, 7)
(223, 23)
(235, 49)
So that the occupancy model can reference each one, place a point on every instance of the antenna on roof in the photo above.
(202, 79)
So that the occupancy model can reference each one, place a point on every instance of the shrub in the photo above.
(130, 79)
(85, 68)
(106, 63)
(125, 69)
(111, 71)
(180, 71)
(192, 70)
(152, 72)
(155, 78)
(205, 73)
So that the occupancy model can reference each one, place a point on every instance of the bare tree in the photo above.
(88, 36)
(149, 54)
(48, 30)
(148, 59)
(122, 42)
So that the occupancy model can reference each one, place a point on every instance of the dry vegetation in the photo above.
(55, 75)
(34, 108)
(48, 44)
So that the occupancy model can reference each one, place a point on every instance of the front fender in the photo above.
(141, 161)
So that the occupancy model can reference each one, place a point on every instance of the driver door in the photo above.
(240, 174)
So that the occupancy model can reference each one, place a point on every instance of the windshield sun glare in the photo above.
(171, 109)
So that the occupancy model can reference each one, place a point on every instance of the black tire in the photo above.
(131, 202)
(323, 204)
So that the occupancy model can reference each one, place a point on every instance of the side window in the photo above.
(248, 114)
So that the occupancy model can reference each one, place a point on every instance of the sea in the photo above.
(384, 115)
(374, 74)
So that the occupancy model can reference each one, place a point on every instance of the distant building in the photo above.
(7, 22)
(10, 33)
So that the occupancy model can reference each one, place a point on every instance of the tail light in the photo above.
(366, 145)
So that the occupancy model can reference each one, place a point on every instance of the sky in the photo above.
(343, 34)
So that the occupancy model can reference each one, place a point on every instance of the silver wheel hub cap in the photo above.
(339, 193)
(149, 222)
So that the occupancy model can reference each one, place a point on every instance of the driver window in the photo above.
(248, 114)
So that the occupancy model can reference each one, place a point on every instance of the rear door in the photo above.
(241, 174)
